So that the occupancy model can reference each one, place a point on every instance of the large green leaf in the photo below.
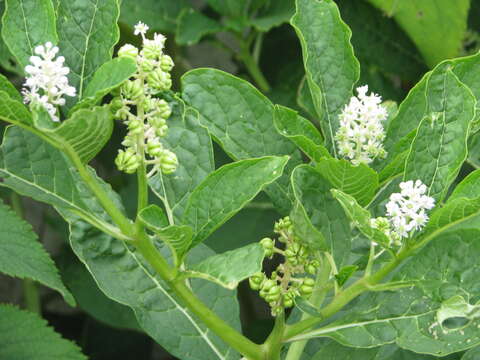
(420, 318)
(240, 119)
(193, 146)
(227, 190)
(33, 168)
(87, 33)
(332, 350)
(24, 335)
(325, 213)
(231, 267)
(14, 112)
(359, 181)
(193, 26)
(159, 15)
(87, 131)
(90, 299)
(26, 24)
(450, 111)
(301, 132)
(325, 39)
(178, 238)
(22, 256)
(119, 270)
(472, 354)
(444, 21)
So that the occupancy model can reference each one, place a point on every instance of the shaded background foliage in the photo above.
(395, 41)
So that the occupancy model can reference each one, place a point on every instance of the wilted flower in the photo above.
(361, 133)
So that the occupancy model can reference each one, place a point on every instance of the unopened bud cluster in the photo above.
(145, 114)
(290, 279)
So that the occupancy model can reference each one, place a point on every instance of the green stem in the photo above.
(252, 67)
(231, 336)
(345, 296)
(30, 290)
(273, 346)
(31, 296)
(109, 206)
(142, 200)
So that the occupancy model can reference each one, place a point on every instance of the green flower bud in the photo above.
(168, 162)
(123, 113)
(163, 109)
(312, 267)
(309, 282)
(132, 89)
(135, 126)
(152, 49)
(289, 253)
(147, 65)
(254, 283)
(128, 50)
(306, 290)
(268, 284)
(287, 302)
(127, 161)
(116, 104)
(159, 80)
(166, 63)
(284, 224)
(154, 148)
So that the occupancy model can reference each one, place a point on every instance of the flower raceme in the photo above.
(361, 132)
(47, 81)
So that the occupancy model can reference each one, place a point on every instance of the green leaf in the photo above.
(230, 8)
(467, 188)
(301, 132)
(159, 15)
(305, 230)
(332, 350)
(324, 212)
(360, 217)
(24, 335)
(451, 108)
(472, 354)
(22, 256)
(86, 132)
(91, 299)
(345, 273)
(325, 38)
(240, 120)
(227, 190)
(193, 146)
(178, 238)
(87, 33)
(409, 316)
(14, 112)
(33, 168)
(27, 24)
(231, 267)
(193, 26)
(109, 76)
(7, 87)
(275, 13)
(444, 22)
(359, 181)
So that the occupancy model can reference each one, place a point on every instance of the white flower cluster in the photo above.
(47, 81)
(407, 210)
(141, 110)
(361, 133)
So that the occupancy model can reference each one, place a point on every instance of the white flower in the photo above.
(46, 82)
(407, 210)
(361, 133)
(141, 29)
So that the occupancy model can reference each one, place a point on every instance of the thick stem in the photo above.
(142, 200)
(345, 296)
(273, 345)
(231, 336)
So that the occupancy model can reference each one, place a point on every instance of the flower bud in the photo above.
(268, 245)
(127, 161)
(159, 80)
(154, 148)
(147, 65)
(163, 109)
(166, 63)
(306, 290)
(168, 162)
(309, 282)
(312, 267)
(132, 89)
(129, 51)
